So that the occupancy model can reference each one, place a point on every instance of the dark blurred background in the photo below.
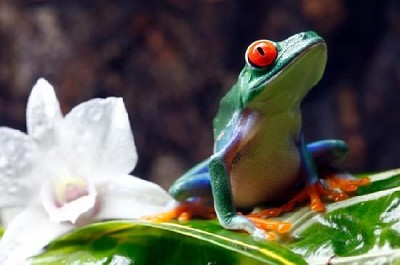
(173, 60)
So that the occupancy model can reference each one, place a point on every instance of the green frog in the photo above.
(260, 155)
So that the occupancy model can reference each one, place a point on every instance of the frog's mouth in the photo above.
(298, 67)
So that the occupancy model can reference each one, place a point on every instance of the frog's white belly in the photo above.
(266, 169)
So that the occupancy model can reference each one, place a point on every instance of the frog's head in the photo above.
(278, 75)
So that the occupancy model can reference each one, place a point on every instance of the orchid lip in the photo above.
(68, 200)
(69, 190)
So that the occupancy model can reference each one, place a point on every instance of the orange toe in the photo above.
(314, 192)
(338, 189)
(287, 207)
(345, 184)
(270, 212)
(268, 224)
(184, 212)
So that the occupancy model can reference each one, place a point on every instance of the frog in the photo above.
(260, 155)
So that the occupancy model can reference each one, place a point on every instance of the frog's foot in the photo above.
(259, 228)
(347, 185)
(337, 189)
(270, 227)
(310, 192)
(184, 212)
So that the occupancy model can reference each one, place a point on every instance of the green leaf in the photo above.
(1, 231)
(363, 228)
(383, 181)
(196, 242)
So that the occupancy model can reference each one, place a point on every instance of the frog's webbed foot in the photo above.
(301, 197)
(270, 227)
(259, 228)
(332, 187)
(184, 212)
(347, 185)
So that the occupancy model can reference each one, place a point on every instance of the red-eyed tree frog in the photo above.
(260, 156)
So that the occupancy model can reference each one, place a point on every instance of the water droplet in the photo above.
(23, 164)
(10, 146)
(3, 162)
(9, 172)
(12, 189)
(95, 114)
(79, 112)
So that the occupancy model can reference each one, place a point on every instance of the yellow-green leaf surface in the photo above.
(362, 229)
(134, 242)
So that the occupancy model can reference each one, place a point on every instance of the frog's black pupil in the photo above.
(260, 51)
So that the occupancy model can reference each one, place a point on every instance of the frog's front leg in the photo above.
(223, 201)
(225, 208)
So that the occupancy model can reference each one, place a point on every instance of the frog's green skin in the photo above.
(259, 152)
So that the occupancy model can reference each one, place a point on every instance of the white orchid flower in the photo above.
(68, 171)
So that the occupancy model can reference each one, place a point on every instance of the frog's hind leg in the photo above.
(327, 152)
(194, 196)
(321, 178)
(192, 186)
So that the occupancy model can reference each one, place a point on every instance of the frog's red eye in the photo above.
(262, 53)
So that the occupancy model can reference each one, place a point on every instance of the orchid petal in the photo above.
(42, 113)
(130, 197)
(98, 135)
(7, 214)
(28, 234)
(17, 155)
